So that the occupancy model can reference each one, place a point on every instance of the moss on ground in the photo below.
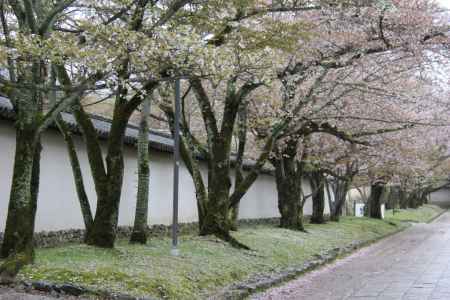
(422, 215)
(205, 264)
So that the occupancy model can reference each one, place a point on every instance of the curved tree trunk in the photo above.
(317, 181)
(77, 176)
(140, 228)
(73, 157)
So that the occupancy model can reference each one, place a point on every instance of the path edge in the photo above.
(260, 283)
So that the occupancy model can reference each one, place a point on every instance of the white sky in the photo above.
(445, 3)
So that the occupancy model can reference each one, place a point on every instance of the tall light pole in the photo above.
(176, 168)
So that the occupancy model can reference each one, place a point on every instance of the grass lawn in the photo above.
(205, 264)
(426, 213)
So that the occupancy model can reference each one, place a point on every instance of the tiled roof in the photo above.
(158, 140)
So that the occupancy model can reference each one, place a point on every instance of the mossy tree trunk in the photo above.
(140, 228)
(83, 199)
(108, 174)
(108, 184)
(288, 174)
(376, 199)
(343, 180)
(215, 201)
(27, 75)
(413, 199)
(74, 161)
(318, 181)
(341, 186)
(403, 199)
(238, 166)
(17, 245)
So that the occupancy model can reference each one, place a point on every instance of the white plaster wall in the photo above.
(441, 197)
(58, 206)
(355, 194)
(7, 147)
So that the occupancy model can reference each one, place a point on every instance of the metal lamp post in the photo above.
(176, 166)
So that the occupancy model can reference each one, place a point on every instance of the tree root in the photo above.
(294, 228)
(11, 267)
(225, 236)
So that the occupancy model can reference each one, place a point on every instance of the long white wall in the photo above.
(441, 197)
(58, 206)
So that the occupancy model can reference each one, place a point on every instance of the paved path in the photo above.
(12, 294)
(414, 264)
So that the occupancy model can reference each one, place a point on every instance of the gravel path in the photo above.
(413, 264)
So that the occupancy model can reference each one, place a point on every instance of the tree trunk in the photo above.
(73, 157)
(17, 247)
(318, 181)
(340, 189)
(288, 175)
(77, 176)
(394, 197)
(187, 151)
(413, 200)
(239, 177)
(109, 188)
(216, 218)
(403, 198)
(377, 190)
(290, 205)
(140, 228)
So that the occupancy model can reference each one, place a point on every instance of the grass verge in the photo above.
(424, 214)
(206, 264)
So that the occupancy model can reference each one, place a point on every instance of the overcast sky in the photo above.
(445, 3)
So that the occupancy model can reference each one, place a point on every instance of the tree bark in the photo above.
(377, 191)
(288, 174)
(83, 199)
(403, 198)
(318, 181)
(340, 190)
(17, 247)
(413, 200)
(140, 228)
(239, 177)
(216, 219)
(103, 232)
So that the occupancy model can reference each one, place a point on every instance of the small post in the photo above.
(176, 165)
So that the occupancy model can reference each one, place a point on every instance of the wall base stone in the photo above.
(48, 239)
